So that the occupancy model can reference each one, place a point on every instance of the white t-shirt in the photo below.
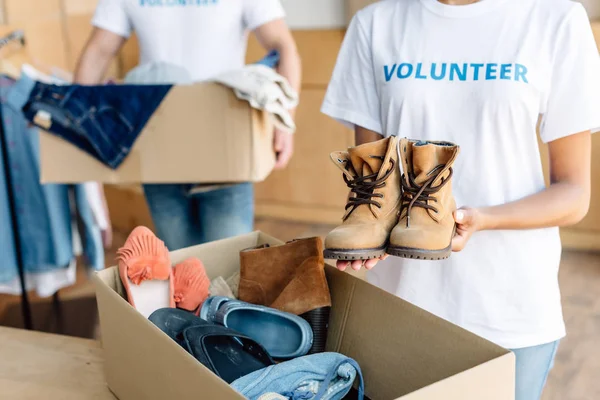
(206, 37)
(478, 75)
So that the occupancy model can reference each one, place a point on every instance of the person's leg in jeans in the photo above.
(533, 366)
(174, 215)
(225, 212)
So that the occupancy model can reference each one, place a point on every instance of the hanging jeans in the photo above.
(104, 121)
(43, 211)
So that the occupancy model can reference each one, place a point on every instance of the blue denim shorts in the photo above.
(104, 121)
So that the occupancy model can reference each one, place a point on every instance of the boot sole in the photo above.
(420, 254)
(353, 255)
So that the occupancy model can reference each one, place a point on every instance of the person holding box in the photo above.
(206, 38)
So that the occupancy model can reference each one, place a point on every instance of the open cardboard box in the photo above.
(200, 133)
(404, 352)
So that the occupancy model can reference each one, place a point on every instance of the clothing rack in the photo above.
(19, 36)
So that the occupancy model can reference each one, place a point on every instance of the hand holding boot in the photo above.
(468, 221)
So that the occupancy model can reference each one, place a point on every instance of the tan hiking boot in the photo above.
(372, 174)
(426, 224)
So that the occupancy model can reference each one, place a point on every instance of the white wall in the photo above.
(315, 14)
(331, 14)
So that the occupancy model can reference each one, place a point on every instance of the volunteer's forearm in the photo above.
(562, 204)
(363, 135)
(95, 59)
(91, 68)
(290, 66)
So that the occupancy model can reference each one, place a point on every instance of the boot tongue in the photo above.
(362, 158)
(424, 160)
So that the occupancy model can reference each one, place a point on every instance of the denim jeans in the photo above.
(533, 366)
(103, 121)
(44, 222)
(324, 376)
(184, 220)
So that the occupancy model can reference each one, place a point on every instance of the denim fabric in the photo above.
(43, 211)
(103, 121)
(184, 220)
(532, 369)
(271, 60)
(324, 376)
(93, 248)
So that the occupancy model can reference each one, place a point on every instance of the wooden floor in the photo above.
(576, 374)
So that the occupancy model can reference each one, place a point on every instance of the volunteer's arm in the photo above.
(101, 48)
(565, 202)
(275, 35)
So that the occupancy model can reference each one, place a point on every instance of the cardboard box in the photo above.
(404, 352)
(200, 133)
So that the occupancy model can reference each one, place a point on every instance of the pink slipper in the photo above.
(191, 285)
(146, 273)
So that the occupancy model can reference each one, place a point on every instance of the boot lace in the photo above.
(414, 195)
(364, 186)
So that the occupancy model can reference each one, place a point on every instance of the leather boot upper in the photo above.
(426, 221)
(372, 175)
(290, 277)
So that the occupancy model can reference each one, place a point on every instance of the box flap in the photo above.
(400, 347)
(199, 133)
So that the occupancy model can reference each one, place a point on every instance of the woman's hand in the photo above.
(468, 221)
(358, 264)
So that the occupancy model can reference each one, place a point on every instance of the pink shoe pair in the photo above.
(151, 283)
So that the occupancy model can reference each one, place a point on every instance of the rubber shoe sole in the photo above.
(353, 254)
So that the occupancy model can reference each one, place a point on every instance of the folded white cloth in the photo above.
(218, 287)
(263, 89)
(234, 283)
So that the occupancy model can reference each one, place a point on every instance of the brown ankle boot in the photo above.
(290, 278)
(426, 224)
(372, 174)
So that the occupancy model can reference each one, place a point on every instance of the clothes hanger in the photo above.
(14, 55)
(13, 51)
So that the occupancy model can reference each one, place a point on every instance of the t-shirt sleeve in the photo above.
(352, 93)
(259, 12)
(111, 15)
(573, 104)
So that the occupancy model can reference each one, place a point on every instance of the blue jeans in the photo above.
(103, 121)
(323, 376)
(533, 366)
(184, 220)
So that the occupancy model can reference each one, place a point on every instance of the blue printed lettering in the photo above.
(434, 75)
(454, 70)
(408, 73)
(476, 68)
(490, 71)
(388, 74)
(521, 73)
(505, 70)
(419, 75)
(446, 71)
